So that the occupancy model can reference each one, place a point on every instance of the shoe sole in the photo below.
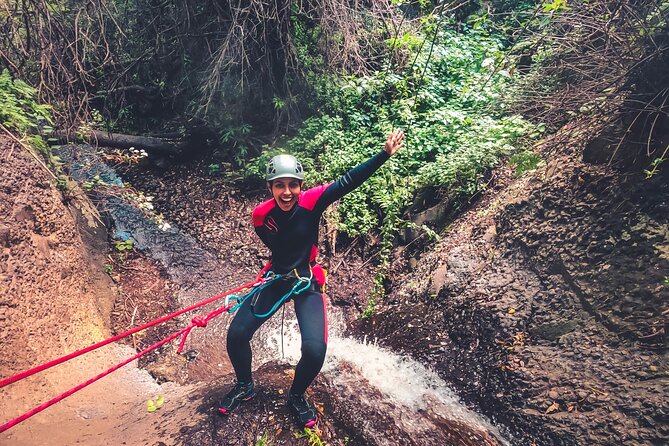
(228, 412)
(312, 422)
(308, 423)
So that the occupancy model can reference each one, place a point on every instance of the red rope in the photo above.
(27, 373)
(197, 321)
(53, 401)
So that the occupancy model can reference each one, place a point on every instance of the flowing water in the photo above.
(389, 398)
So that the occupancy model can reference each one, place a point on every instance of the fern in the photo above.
(19, 109)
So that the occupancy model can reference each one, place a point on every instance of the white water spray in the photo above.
(404, 383)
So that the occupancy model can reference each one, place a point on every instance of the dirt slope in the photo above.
(43, 255)
(55, 298)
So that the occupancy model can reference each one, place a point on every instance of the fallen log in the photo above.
(159, 146)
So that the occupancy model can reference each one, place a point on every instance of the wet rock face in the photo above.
(467, 335)
(552, 323)
(608, 240)
(597, 330)
(265, 416)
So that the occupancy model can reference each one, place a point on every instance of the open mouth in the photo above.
(286, 203)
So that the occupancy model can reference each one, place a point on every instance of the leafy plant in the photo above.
(555, 6)
(525, 161)
(97, 182)
(19, 109)
(124, 245)
(263, 441)
(22, 113)
(445, 102)
(655, 164)
(214, 169)
(370, 307)
(233, 135)
(311, 435)
(152, 406)
(61, 183)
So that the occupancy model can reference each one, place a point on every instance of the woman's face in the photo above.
(285, 192)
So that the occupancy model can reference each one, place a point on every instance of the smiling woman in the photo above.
(288, 225)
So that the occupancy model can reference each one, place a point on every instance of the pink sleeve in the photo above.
(261, 211)
(309, 198)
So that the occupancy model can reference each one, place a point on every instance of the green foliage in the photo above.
(444, 101)
(19, 109)
(152, 406)
(214, 169)
(264, 440)
(124, 245)
(278, 103)
(97, 182)
(61, 183)
(452, 137)
(555, 6)
(311, 435)
(232, 135)
(525, 161)
(21, 112)
(654, 167)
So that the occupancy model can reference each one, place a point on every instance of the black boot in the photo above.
(240, 393)
(303, 411)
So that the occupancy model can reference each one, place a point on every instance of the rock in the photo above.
(5, 237)
(601, 398)
(554, 330)
(490, 234)
(438, 279)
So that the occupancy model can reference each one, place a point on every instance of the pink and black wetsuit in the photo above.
(292, 237)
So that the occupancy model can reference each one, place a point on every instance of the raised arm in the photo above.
(356, 176)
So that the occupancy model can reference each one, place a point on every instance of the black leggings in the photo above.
(311, 317)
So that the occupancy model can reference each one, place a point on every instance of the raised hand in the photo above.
(394, 142)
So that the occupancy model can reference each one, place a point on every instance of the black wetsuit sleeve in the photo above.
(351, 179)
(263, 237)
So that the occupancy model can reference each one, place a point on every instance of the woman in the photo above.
(288, 225)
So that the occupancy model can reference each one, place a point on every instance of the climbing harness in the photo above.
(301, 284)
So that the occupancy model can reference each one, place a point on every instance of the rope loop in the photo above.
(199, 321)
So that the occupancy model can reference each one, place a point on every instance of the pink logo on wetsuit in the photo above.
(271, 225)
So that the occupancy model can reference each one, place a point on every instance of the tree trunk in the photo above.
(158, 146)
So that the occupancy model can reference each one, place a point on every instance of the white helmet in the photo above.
(284, 166)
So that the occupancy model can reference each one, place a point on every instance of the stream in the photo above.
(396, 399)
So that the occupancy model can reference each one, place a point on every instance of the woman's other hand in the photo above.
(394, 142)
